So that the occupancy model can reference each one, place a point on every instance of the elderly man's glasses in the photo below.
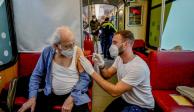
(66, 46)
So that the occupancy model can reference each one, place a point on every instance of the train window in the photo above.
(178, 31)
(156, 2)
(5, 42)
(36, 20)
(155, 20)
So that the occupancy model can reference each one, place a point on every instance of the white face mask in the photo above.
(67, 53)
(114, 51)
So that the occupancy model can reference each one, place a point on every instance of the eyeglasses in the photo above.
(66, 46)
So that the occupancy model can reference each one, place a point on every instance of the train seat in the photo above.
(169, 70)
(139, 46)
(88, 43)
(26, 65)
(138, 43)
(140, 49)
(141, 55)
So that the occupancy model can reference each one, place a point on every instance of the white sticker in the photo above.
(6, 53)
(1, 63)
(9, 43)
(3, 35)
(1, 2)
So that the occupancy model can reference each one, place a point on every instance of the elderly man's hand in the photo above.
(31, 103)
(86, 65)
(68, 104)
(97, 58)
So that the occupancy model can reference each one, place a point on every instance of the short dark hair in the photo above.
(93, 16)
(126, 35)
(107, 19)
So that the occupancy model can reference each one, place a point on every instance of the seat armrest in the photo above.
(11, 94)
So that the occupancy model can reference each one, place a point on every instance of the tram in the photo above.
(163, 39)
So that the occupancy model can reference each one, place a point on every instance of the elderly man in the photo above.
(65, 80)
(133, 75)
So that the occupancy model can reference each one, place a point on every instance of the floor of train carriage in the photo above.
(100, 98)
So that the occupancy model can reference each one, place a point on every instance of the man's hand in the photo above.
(31, 103)
(86, 65)
(97, 58)
(68, 104)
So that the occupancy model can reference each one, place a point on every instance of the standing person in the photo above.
(107, 32)
(94, 26)
(133, 86)
(65, 81)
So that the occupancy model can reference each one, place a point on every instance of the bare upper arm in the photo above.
(78, 54)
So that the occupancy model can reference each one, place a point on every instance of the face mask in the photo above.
(114, 51)
(67, 53)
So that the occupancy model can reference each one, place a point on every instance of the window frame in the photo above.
(150, 7)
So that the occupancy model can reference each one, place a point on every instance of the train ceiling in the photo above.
(110, 2)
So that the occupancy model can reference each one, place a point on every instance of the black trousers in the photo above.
(105, 44)
(45, 103)
(120, 105)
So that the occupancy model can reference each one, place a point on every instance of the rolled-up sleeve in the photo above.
(79, 92)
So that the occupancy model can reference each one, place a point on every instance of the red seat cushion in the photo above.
(90, 95)
(57, 107)
(20, 100)
(88, 44)
(27, 63)
(163, 99)
(139, 43)
(141, 55)
(171, 69)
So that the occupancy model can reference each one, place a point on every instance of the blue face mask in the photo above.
(67, 53)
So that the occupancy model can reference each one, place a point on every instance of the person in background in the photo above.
(133, 87)
(94, 26)
(107, 32)
(66, 83)
(177, 48)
